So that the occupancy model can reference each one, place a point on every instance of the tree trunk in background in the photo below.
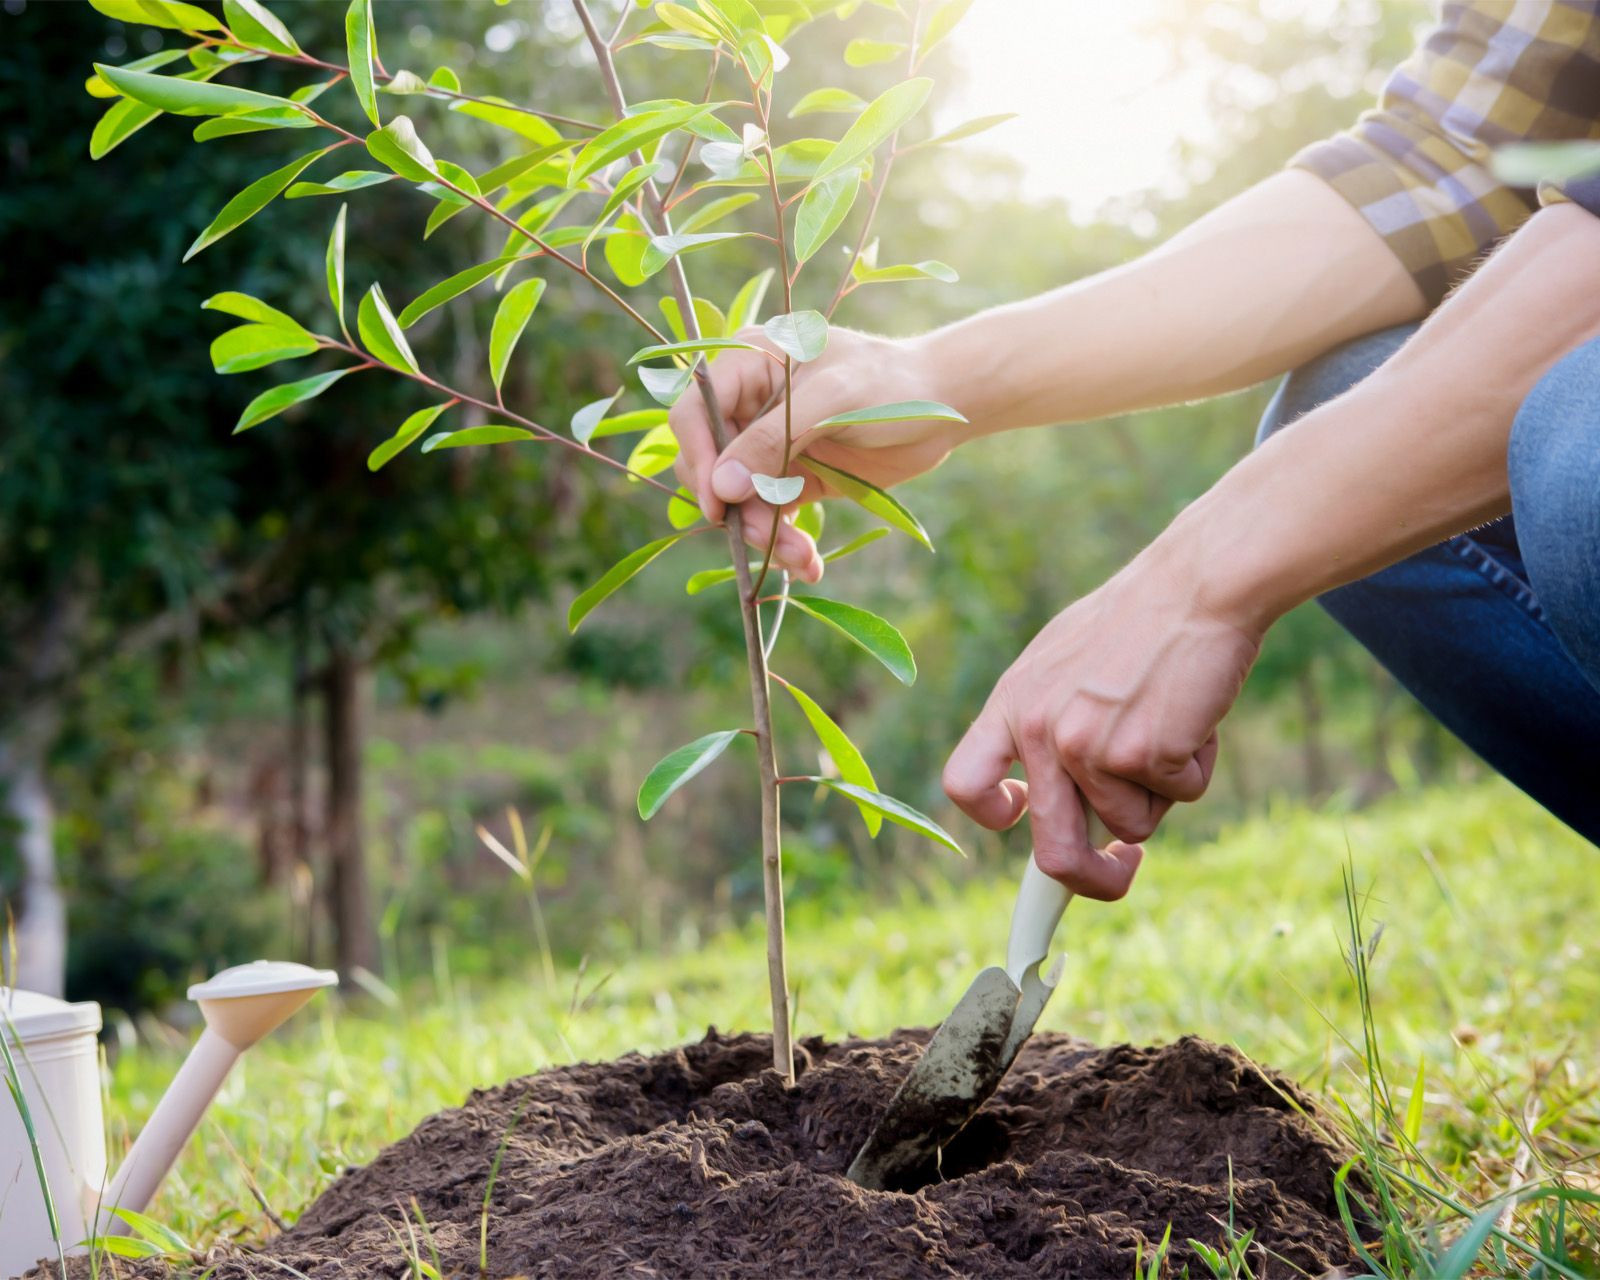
(355, 939)
(40, 942)
(1316, 761)
(302, 875)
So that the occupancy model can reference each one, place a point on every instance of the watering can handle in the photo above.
(1040, 903)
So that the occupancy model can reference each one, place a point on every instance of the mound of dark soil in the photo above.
(700, 1163)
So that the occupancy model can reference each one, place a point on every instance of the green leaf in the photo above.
(709, 319)
(698, 582)
(941, 23)
(615, 577)
(897, 811)
(127, 1247)
(888, 111)
(865, 628)
(682, 18)
(625, 423)
(123, 119)
(397, 146)
(824, 207)
(408, 431)
(183, 96)
(156, 1233)
(625, 254)
(269, 404)
(819, 101)
(653, 453)
(854, 545)
(352, 180)
(632, 132)
(95, 87)
(676, 769)
(665, 385)
(852, 765)
(252, 200)
(254, 346)
(588, 418)
(1412, 1127)
(235, 123)
(456, 285)
(691, 346)
(971, 128)
(780, 491)
(716, 210)
(682, 510)
(1457, 1262)
(467, 437)
(899, 411)
(929, 269)
(509, 116)
(747, 302)
(170, 14)
(662, 249)
(629, 183)
(510, 319)
(810, 519)
(381, 334)
(248, 308)
(404, 84)
(335, 265)
(869, 53)
(884, 505)
(257, 25)
(803, 335)
(446, 79)
(358, 37)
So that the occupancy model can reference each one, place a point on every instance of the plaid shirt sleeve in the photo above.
(1417, 167)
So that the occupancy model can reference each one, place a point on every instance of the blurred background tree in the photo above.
(253, 696)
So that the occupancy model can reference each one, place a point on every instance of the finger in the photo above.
(760, 448)
(741, 382)
(975, 775)
(794, 551)
(1061, 844)
(1131, 811)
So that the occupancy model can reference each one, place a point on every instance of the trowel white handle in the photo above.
(176, 1117)
(1040, 902)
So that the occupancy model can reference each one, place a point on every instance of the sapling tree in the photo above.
(615, 203)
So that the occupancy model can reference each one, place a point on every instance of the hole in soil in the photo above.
(982, 1143)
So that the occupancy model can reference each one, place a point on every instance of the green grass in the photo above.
(1480, 953)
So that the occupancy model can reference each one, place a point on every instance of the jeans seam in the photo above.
(1497, 575)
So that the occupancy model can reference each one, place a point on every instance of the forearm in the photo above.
(1412, 455)
(1260, 285)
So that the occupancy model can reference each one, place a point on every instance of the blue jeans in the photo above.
(1497, 631)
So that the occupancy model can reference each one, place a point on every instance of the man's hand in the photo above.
(857, 371)
(1114, 704)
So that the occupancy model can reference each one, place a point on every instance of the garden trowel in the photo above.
(972, 1050)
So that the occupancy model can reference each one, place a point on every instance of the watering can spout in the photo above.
(240, 1006)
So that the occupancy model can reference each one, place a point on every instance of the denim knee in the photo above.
(1329, 376)
(1553, 463)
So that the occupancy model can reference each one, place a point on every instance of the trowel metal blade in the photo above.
(958, 1071)
(1036, 993)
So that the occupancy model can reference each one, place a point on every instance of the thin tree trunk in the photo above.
(355, 939)
(303, 878)
(1315, 759)
(40, 943)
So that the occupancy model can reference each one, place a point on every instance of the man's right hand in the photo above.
(856, 372)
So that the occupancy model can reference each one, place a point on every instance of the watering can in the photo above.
(54, 1050)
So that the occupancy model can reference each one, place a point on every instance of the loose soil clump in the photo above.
(700, 1163)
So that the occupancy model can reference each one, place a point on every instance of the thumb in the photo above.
(757, 450)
